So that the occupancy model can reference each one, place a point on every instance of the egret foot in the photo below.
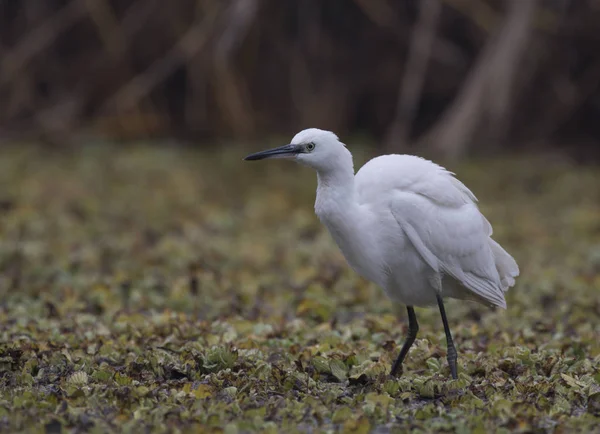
(413, 329)
(452, 354)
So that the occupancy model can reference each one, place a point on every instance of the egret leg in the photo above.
(452, 355)
(413, 329)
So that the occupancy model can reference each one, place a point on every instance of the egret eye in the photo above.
(310, 147)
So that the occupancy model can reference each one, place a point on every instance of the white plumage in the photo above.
(437, 216)
(406, 224)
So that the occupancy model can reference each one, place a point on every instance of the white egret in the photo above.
(407, 225)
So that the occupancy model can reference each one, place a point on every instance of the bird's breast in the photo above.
(352, 231)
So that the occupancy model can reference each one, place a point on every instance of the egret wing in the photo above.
(439, 216)
(452, 237)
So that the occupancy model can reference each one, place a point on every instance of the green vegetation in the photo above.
(168, 289)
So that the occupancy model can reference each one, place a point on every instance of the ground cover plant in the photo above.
(160, 289)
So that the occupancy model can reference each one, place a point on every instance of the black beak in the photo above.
(285, 151)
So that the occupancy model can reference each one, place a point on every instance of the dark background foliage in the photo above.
(453, 76)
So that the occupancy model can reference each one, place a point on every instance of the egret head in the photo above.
(312, 147)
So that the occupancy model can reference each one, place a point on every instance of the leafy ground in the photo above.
(163, 289)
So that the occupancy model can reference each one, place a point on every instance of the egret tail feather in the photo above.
(507, 267)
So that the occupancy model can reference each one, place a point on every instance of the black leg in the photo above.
(413, 329)
(452, 354)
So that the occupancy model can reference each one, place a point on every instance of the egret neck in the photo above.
(336, 204)
(346, 220)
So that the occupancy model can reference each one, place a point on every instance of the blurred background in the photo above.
(451, 77)
(151, 278)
